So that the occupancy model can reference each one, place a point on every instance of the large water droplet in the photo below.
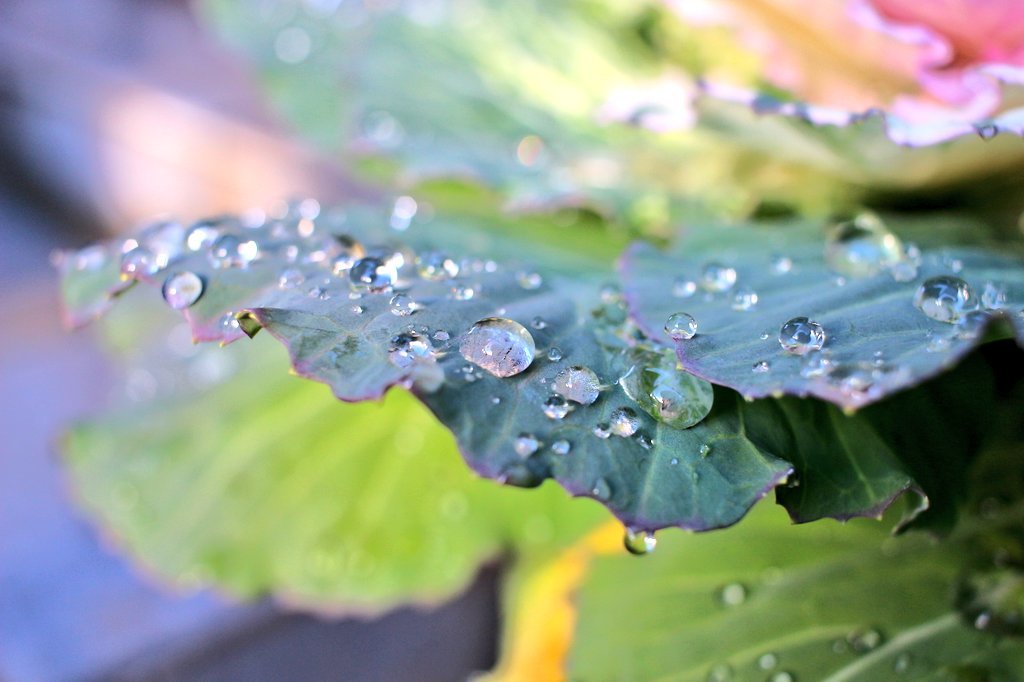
(436, 266)
(624, 422)
(800, 336)
(228, 251)
(500, 346)
(665, 391)
(715, 277)
(556, 407)
(372, 274)
(526, 444)
(639, 542)
(945, 298)
(182, 289)
(862, 247)
(578, 383)
(681, 326)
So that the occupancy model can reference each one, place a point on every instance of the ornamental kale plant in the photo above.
(674, 257)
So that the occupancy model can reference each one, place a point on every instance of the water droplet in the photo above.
(603, 431)
(721, 672)
(201, 236)
(994, 296)
(408, 347)
(402, 213)
(358, 309)
(764, 335)
(732, 594)
(538, 323)
(624, 422)
(639, 542)
(902, 663)
(761, 366)
(674, 461)
(556, 407)
(561, 447)
(500, 346)
(715, 277)
(782, 676)
(684, 288)
(554, 354)
(402, 305)
(463, 293)
(644, 441)
(319, 292)
(138, 263)
(944, 298)
(815, 364)
(610, 294)
(289, 278)
(862, 247)
(865, 640)
(601, 490)
(372, 274)
(904, 271)
(578, 383)
(436, 266)
(667, 393)
(529, 280)
(182, 289)
(767, 661)
(744, 299)
(800, 336)
(226, 252)
(781, 265)
(986, 131)
(704, 450)
(526, 444)
(681, 326)
(970, 325)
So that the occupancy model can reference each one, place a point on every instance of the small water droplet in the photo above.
(436, 266)
(644, 441)
(781, 265)
(201, 236)
(782, 676)
(986, 131)
(764, 335)
(684, 288)
(137, 263)
(815, 364)
(538, 323)
(601, 490)
(182, 289)
(732, 594)
(865, 640)
(290, 278)
(561, 447)
(970, 325)
(767, 661)
(556, 407)
(994, 296)
(603, 431)
(674, 461)
(526, 444)
(372, 274)
(624, 422)
(554, 354)
(721, 672)
(358, 309)
(463, 293)
(862, 247)
(904, 271)
(945, 298)
(402, 213)
(761, 366)
(800, 336)
(402, 305)
(500, 346)
(529, 280)
(578, 383)
(681, 326)
(408, 347)
(319, 292)
(902, 663)
(704, 450)
(639, 542)
(744, 299)
(715, 277)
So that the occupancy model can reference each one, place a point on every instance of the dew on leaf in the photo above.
(603, 430)
(862, 247)
(639, 542)
(538, 323)
(815, 364)
(358, 309)
(782, 676)
(767, 661)
(499, 346)
(781, 265)
(744, 299)
(561, 447)
(402, 213)
(182, 289)
(463, 293)
(526, 444)
(201, 236)
(529, 280)
(800, 336)
(970, 325)
(137, 263)
(721, 672)
(436, 266)
(556, 407)
(372, 274)
(578, 383)
(945, 298)
(407, 347)
(664, 391)
(290, 278)
(715, 277)
(761, 366)
(602, 490)
(554, 354)
(902, 663)
(684, 288)
(704, 450)
(403, 305)
(644, 441)
(732, 594)
(993, 296)
(865, 640)
(624, 422)
(674, 461)
(681, 326)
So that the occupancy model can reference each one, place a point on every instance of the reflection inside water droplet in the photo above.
(624, 422)
(182, 289)
(945, 298)
(800, 336)
(681, 326)
(639, 542)
(578, 383)
(500, 346)
(862, 247)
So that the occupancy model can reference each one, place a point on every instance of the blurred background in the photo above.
(112, 113)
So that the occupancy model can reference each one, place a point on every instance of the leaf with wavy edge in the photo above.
(878, 342)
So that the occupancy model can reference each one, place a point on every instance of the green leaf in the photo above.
(263, 483)
(876, 341)
(818, 602)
